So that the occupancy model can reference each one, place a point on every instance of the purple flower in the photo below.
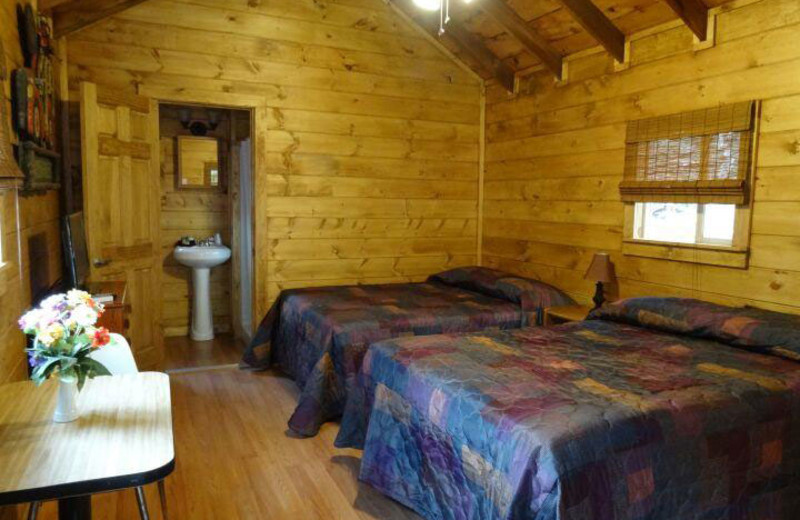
(34, 360)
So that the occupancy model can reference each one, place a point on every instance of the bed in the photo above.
(652, 409)
(318, 336)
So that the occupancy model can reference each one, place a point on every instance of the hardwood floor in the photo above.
(236, 461)
(182, 353)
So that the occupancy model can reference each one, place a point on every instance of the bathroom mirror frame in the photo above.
(208, 166)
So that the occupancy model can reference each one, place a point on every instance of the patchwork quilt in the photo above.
(652, 409)
(318, 336)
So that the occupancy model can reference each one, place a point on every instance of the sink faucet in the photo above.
(214, 240)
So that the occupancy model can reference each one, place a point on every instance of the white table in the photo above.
(122, 439)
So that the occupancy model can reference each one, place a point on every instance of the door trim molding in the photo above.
(258, 128)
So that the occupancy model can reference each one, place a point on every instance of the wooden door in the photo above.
(121, 190)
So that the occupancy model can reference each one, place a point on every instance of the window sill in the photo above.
(690, 253)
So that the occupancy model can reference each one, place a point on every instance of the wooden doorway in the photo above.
(119, 148)
(104, 106)
(193, 208)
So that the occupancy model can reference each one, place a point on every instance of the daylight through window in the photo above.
(707, 224)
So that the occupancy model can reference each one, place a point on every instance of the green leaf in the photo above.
(81, 379)
(83, 351)
(94, 367)
(76, 348)
(44, 370)
(39, 370)
(67, 363)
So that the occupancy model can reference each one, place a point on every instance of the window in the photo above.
(4, 201)
(686, 184)
(709, 224)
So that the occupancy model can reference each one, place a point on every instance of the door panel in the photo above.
(121, 184)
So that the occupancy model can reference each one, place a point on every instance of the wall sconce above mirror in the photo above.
(198, 162)
(199, 128)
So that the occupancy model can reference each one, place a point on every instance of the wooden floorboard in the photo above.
(235, 460)
(180, 352)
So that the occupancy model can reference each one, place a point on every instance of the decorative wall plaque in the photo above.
(8, 166)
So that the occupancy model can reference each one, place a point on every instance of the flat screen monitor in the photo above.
(76, 253)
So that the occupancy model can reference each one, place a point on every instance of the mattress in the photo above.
(656, 409)
(318, 336)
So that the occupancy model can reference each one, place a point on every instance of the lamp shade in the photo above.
(601, 269)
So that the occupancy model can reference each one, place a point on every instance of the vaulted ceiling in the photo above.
(72, 15)
(502, 39)
(498, 39)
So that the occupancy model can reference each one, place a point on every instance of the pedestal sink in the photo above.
(201, 259)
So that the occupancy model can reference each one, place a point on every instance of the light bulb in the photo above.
(428, 5)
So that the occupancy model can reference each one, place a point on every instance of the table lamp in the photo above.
(601, 270)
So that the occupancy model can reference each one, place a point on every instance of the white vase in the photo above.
(67, 400)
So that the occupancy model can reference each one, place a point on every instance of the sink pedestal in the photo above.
(202, 322)
(201, 259)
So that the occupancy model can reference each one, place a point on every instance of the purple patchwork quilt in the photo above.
(318, 336)
(695, 417)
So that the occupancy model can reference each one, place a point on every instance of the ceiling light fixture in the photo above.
(443, 6)
(428, 5)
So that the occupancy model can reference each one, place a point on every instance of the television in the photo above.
(76, 253)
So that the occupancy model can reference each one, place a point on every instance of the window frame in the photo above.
(640, 223)
(734, 255)
(9, 215)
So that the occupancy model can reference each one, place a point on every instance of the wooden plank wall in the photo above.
(12, 355)
(555, 158)
(24, 220)
(373, 133)
(199, 213)
(38, 230)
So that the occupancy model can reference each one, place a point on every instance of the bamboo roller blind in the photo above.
(699, 156)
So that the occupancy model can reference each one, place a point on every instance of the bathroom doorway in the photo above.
(206, 199)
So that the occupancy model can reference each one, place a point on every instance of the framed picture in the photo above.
(8, 166)
(41, 167)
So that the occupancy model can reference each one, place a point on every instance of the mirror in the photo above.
(198, 162)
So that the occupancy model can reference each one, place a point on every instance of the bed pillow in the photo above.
(747, 327)
(532, 295)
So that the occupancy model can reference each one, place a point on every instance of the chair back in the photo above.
(116, 356)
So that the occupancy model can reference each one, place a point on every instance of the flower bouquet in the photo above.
(64, 336)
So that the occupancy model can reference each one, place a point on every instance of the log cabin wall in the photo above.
(34, 228)
(196, 212)
(372, 133)
(555, 158)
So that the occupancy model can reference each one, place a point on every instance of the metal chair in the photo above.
(118, 359)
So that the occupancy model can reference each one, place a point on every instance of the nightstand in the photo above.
(115, 317)
(565, 314)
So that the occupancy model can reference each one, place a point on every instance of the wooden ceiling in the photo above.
(498, 39)
(502, 39)
(72, 15)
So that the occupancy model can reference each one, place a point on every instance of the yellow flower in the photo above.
(51, 334)
(76, 297)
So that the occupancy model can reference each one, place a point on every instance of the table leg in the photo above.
(75, 508)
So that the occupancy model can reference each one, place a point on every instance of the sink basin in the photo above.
(202, 256)
(201, 259)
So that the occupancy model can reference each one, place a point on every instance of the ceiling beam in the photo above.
(474, 47)
(524, 34)
(74, 16)
(694, 14)
(466, 42)
(598, 25)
